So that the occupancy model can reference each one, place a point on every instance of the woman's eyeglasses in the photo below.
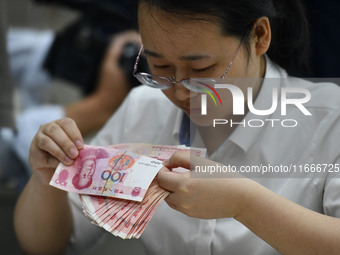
(192, 84)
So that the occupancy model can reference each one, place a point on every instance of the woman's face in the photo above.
(185, 48)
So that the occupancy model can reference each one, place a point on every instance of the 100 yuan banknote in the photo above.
(160, 152)
(109, 172)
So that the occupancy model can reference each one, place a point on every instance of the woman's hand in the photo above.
(43, 218)
(285, 225)
(57, 141)
(206, 198)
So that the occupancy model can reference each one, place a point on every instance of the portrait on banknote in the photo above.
(87, 165)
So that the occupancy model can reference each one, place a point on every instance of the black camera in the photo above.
(78, 50)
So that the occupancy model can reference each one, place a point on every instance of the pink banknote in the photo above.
(124, 218)
(117, 184)
(160, 152)
(128, 219)
(107, 171)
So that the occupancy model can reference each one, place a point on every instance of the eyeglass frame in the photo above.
(172, 80)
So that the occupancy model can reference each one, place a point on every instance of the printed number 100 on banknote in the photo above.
(109, 172)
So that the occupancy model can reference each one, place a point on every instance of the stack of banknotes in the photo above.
(117, 184)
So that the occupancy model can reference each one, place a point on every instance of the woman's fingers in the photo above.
(169, 180)
(46, 144)
(61, 139)
(70, 127)
(178, 159)
(55, 142)
(64, 135)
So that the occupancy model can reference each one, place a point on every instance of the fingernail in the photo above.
(68, 161)
(79, 144)
(73, 153)
(165, 162)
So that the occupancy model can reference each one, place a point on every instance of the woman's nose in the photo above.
(181, 92)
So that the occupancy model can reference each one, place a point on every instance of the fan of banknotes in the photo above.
(117, 184)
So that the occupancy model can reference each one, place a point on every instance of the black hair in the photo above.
(290, 33)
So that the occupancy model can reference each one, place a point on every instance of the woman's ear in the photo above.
(262, 35)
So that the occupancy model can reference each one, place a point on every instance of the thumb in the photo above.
(179, 159)
(187, 160)
(168, 180)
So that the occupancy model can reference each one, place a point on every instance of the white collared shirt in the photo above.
(147, 116)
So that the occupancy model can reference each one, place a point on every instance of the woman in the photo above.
(204, 40)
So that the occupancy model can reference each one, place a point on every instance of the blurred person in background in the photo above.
(6, 95)
(105, 58)
(112, 87)
(6, 88)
